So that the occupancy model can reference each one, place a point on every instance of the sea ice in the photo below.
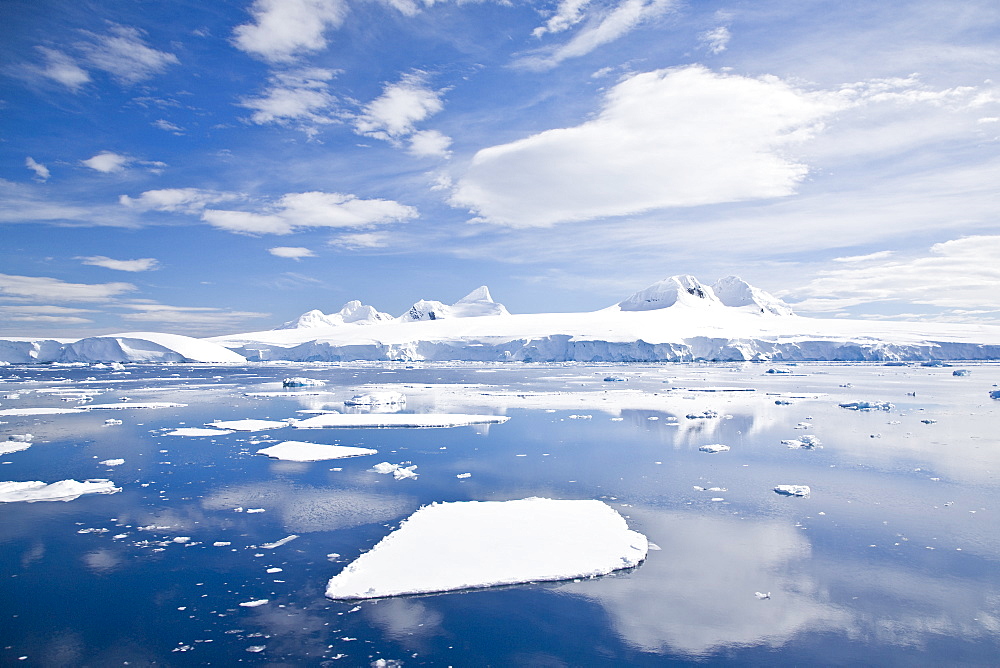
(387, 420)
(248, 424)
(793, 490)
(254, 603)
(806, 442)
(112, 462)
(64, 490)
(120, 406)
(38, 411)
(198, 431)
(279, 543)
(868, 406)
(715, 447)
(302, 382)
(21, 438)
(398, 471)
(376, 399)
(471, 544)
(7, 447)
(299, 451)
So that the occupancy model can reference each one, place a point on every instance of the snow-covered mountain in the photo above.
(352, 312)
(476, 304)
(676, 319)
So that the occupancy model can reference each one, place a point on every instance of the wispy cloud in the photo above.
(300, 98)
(41, 171)
(124, 54)
(282, 30)
(60, 68)
(42, 288)
(108, 162)
(54, 315)
(715, 40)
(292, 252)
(141, 264)
(361, 240)
(185, 200)
(194, 316)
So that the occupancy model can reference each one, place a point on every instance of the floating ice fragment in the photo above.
(248, 425)
(112, 462)
(615, 379)
(64, 490)
(714, 447)
(198, 431)
(961, 372)
(464, 475)
(805, 442)
(182, 539)
(580, 417)
(279, 543)
(221, 543)
(386, 398)
(7, 447)
(298, 451)
(274, 570)
(121, 406)
(256, 648)
(21, 438)
(470, 544)
(868, 406)
(793, 490)
(704, 415)
(255, 510)
(302, 382)
(389, 420)
(111, 422)
(928, 421)
(761, 596)
(253, 604)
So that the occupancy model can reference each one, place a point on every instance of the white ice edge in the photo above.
(300, 451)
(64, 490)
(474, 544)
(390, 420)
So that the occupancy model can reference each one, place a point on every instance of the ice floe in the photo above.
(805, 442)
(7, 447)
(793, 490)
(714, 447)
(398, 471)
(386, 398)
(123, 405)
(472, 544)
(254, 603)
(64, 490)
(247, 425)
(198, 431)
(388, 420)
(300, 451)
(302, 382)
(278, 543)
(112, 462)
(868, 406)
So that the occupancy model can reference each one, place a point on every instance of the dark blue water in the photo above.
(893, 559)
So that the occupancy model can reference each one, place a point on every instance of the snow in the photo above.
(793, 490)
(302, 382)
(386, 398)
(8, 447)
(64, 490)
(390, 420)
(352, 312)
(472, 544)
(247, 425)
(477, 303)
(714, 447)
(198, 431)
(299, 451)
(147, 347)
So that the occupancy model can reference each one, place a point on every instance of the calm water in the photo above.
(894, 558)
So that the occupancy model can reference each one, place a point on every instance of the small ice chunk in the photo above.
(868, 406)
(112, 462)
(398, 471)
(714, 447)
(299, 451)
(111, 422)
(64, 490)
(704, 415)
(182, 539)
(469, 544)
(21, 438)
(247, 425)
(198, 431)
(254, 603)
(221, 543)
(761, 596)
(255, 510)
(793, 490)
(256, 648)
(806, 442)
(302, 382)
(464, 475)
(279, 543)
(274, 570)
(386, 398)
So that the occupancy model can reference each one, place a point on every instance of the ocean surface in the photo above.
(893, 558)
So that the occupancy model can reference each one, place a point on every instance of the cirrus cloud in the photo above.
(141, 264)
(43, 288)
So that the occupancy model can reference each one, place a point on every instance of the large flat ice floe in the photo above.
(389, 420)
(64, 490)
(299, 451)
(473, 544)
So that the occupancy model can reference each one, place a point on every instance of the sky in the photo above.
(215, 167)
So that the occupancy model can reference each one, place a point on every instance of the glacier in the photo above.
(677, 319)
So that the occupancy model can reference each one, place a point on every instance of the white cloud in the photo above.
(961, 274)
(310, 209)
(361, 240)
(41, 171)
(124, 54)
(293, 252)
(62, 68)
(607, 27)
(186, 200)
(167, 126)
(715, 40)
(401, 105)
(283, 29)
(879, 255)
(197, 316)
(567, 14)
(141, 264)
(299, 97)
(668, 138)
(107, 162)
(430, 143)
(60, 315)
(52, 289)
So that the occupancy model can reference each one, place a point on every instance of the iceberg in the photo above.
(302, 382)
(400, 420)
(64, 490)
(793, 490)
(714, 447)
(299, 451)
(475, 544)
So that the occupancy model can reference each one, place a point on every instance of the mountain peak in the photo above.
(476, 303)
(683, 289)
(734, 292)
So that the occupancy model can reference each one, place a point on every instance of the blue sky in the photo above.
(217, 167)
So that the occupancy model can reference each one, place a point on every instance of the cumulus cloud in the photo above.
(961, 275)
(284, 29)
(294, 98)
(61, 68)
(41, 171)
(107, 162)
(604, 27)
(42, 288)
(185, 200)
(715, 40)
(310, 209)
(293, 252)
(394, 114)
(124, 54)
(141, 264)
(668, 138)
